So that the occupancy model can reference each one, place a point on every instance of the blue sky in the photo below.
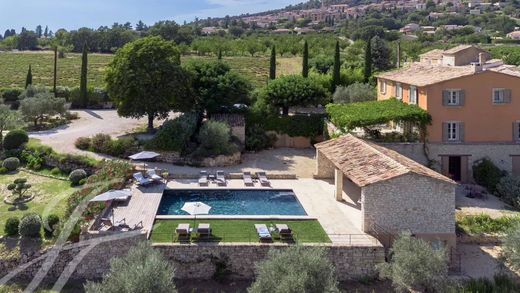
(73, 14)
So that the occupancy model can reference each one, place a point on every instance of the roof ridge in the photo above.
(385, 155)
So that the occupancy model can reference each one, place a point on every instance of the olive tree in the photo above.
(145, 79)
(511, 248)
(295, 269)
(8, 119)
(143, 269)
(356, 92)
(293, 90)
(416, 265)
(38, 103)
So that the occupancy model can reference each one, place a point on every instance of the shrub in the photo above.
(50, 224)
(33, 160)
(15, 139)
(500, 283)
(11, 164)
(142, 270)
(508, 188)
(83, 143)
(214, 138)
(477, 224)
(309, 271)
(487, 174)
(357, 92)
(11, 226)
(56, 171)
(510, 252)
(30, 226)
(10, 95)
(175, 135)
(123, 147)
(415, 265)
(3, 170)
(76, 176)
(101, 143)
(257, 139)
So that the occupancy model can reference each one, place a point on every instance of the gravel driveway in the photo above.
(91, 122)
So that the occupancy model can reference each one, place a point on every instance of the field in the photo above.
(14, 66)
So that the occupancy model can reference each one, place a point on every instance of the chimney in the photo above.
(482, 58)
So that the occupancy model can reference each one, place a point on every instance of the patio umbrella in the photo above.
(196, 208)
(144, 156)
(113, 194)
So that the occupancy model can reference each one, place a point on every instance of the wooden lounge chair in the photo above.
(140, 180)
(284, 232)
(203, 178)
(204, 230)
(262, 177)
(153, 175)
(263, 232)
(183, 232)
(221, 178)
(248, 181)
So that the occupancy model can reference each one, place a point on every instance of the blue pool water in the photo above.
(233, 202)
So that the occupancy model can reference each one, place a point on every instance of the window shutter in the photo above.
(461, 131)
(462, 98)
(417, 96)
(516, 130)
(444, 131)
(507, 96)
(445, 97)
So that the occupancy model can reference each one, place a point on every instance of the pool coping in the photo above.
(233, 217)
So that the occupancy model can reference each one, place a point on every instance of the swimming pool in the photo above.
(233, 202)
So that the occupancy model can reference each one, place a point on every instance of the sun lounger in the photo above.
(248, 181)
(141, 180)
(183, 232)
(284, 231)
(152, 175)
(203, 178)
(105, 225)
(221, 178)
(263, 232)
(263, 179)
(204, 230)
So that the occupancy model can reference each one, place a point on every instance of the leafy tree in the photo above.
(146, 79)
(380, 53)
(305, 64)
(309, 271)
(216, 87)
(170, 30)
(272, 64)
(415, 265)
(28, 78)
(356, 92)
(337, 65)
(215, 139)
(37, 103)
(511, 248)
(367, 73)
(83, 92)
(292, 90)
(27, 40)
(143, 269)
(8, 119)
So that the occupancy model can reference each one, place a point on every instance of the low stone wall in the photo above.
(198, 261)
(298, 142)
(219, 161)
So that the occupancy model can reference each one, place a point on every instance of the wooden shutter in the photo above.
(461, 130)
(445, 97)
(516, 130)
(462, 98)
(445, 166)
(507, 96)
(444, 131)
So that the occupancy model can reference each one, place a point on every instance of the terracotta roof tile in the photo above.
(366, 163)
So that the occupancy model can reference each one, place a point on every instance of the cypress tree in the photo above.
(368, 61)
(272, 65)
(55, 70)
(28, 79)
(219, 56)
(337, 64)
(83, 81)
(305, 65)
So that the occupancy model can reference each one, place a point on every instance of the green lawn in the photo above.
(309, 231)
(14, 66)
(51, 194)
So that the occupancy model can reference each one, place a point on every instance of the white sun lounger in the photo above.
(152, 175)
(248, 181)
(141, 180)
(263, 179)
(263, 232)
(221, 178)
(203, 178)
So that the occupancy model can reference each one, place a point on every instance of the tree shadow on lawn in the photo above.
(19, 207)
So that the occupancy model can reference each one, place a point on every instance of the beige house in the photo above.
(392, 192)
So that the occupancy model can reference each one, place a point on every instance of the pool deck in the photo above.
(340, 220)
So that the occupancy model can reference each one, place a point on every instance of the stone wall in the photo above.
(218, 161)
(199, 261)
(411, 202)
(324, 167)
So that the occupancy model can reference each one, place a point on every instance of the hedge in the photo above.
(296, 125)
(365, 114)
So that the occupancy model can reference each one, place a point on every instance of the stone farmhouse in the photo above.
(474, 103)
